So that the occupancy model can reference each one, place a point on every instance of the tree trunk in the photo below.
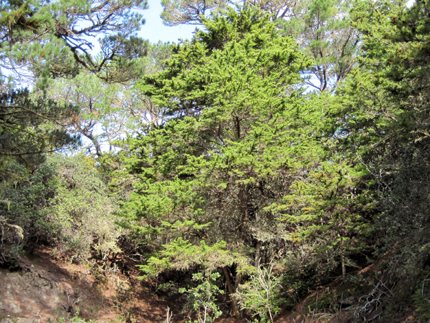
(343, 268)
(257, 253)
(231, 290)
(244, 214)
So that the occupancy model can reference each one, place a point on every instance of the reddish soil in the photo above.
(48, 289)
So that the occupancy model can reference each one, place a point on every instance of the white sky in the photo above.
(154, 30)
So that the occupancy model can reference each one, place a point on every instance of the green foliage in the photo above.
(229, 133)
(201, 299)
(182, 255)
(26, 196)
(81, 209)
(106, 113)
(114, 108)
(29, 128)
(62, 203)
(322, 28)
(176, 12)
(51, 36)
(324, 31)
(238, 165)
(245, 164)
(11, 237)
(74, 319)
(27, 199)
(394, 84)
(328, 212)
(422, 302)
(383, 116)
(261, 295)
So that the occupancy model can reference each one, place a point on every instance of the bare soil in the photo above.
(45, 289)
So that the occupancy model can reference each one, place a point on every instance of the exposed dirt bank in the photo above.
(45, 289)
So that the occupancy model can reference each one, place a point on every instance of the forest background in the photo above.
(283, 146)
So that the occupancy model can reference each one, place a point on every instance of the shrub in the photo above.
(201, 299)
(63, 203)
(261, 294)
(82, 209)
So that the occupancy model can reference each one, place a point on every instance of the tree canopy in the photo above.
(283, 148)
(51, 39)
(243, 159)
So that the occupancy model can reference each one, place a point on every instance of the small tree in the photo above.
(201, 299)
(261, 295)
(243, 156)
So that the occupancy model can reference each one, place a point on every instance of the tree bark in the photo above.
(257, 253)
(244, 214)
(231, 290)
(343, 268)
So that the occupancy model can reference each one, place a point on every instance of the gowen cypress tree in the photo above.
(240, 132)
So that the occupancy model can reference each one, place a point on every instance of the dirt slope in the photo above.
(43, 289)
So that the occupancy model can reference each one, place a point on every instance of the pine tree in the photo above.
(323, 29)
(108, 112)
(44, 40)
(29, 128)
(51, 39)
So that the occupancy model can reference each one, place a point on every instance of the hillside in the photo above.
(43, 289)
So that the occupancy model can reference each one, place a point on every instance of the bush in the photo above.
(201, 299)
(82, 210)
(65, 203)
(421, 300)
(261, 294)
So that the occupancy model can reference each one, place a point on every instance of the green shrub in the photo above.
(261, 294)
(81, 209)
(421, 300)
(201, 299)
(62, 203)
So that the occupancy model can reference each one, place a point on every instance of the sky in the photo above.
(154, 30)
